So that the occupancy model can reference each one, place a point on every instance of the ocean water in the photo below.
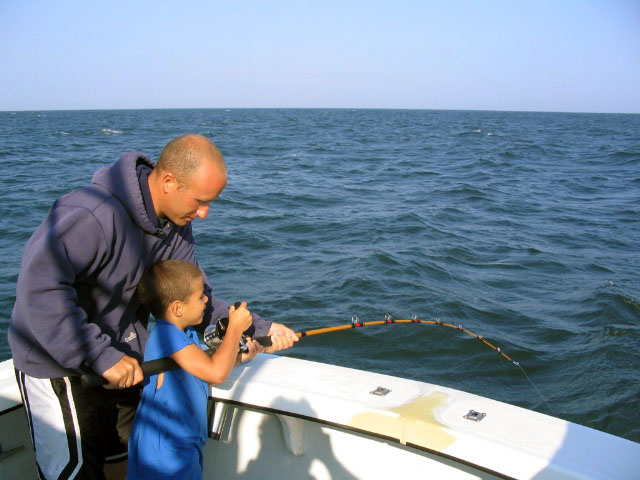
(521, 227)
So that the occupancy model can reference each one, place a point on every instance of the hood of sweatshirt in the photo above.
(121, 180)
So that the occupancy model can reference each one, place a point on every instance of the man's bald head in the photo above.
(183, 156)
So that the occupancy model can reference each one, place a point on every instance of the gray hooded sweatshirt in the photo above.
(76, 303)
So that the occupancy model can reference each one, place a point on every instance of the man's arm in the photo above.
(67, 246)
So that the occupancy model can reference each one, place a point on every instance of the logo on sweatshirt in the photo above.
(131, 336)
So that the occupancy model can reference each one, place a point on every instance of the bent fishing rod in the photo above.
(356, 323)
(214, 334)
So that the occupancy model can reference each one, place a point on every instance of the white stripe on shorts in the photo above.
(54, 448)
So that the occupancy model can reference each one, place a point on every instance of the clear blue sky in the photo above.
(559, 55)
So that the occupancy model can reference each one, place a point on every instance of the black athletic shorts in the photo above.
(75, 431)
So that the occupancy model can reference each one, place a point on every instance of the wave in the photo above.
(620, 330)
(109, 131)
(624, 155)
(468, 133)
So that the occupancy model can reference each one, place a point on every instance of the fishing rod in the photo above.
(356, 323)
(214, 334)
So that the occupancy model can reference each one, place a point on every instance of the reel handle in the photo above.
(214, 333)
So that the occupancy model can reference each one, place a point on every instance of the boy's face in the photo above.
(195, 304)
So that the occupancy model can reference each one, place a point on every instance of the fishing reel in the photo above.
(214, 334)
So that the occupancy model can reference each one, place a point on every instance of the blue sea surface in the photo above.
(521, 227)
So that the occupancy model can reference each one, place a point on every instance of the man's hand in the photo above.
(281, 337)
(280, 329)
(124, 374)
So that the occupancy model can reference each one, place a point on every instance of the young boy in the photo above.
(169, 429)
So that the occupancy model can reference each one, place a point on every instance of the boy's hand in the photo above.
(254, 349)
(240, 317)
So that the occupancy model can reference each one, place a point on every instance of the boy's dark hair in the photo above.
(165, 282)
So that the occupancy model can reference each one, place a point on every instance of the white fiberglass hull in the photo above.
(295, 419)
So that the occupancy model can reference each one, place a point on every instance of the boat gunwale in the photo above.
(341, 426)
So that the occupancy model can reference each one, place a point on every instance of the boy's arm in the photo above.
(214, 369)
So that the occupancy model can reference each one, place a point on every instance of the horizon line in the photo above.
(315, 108)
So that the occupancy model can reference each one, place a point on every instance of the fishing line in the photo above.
(535, 388)
(356, 323)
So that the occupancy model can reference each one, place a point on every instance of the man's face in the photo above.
(191, 199)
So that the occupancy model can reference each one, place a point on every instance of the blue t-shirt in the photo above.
(170, 426)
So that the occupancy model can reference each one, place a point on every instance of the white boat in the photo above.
(283, 418)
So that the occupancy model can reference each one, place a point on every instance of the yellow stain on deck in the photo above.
(413, 422)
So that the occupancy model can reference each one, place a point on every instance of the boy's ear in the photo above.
(176, 308)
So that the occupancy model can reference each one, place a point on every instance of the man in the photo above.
(76, 308)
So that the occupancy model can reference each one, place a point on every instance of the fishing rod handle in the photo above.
(152, 367)
(264, 341)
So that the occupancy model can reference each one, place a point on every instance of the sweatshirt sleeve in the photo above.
(68, 246)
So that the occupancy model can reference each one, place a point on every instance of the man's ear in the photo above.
(168, 182)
